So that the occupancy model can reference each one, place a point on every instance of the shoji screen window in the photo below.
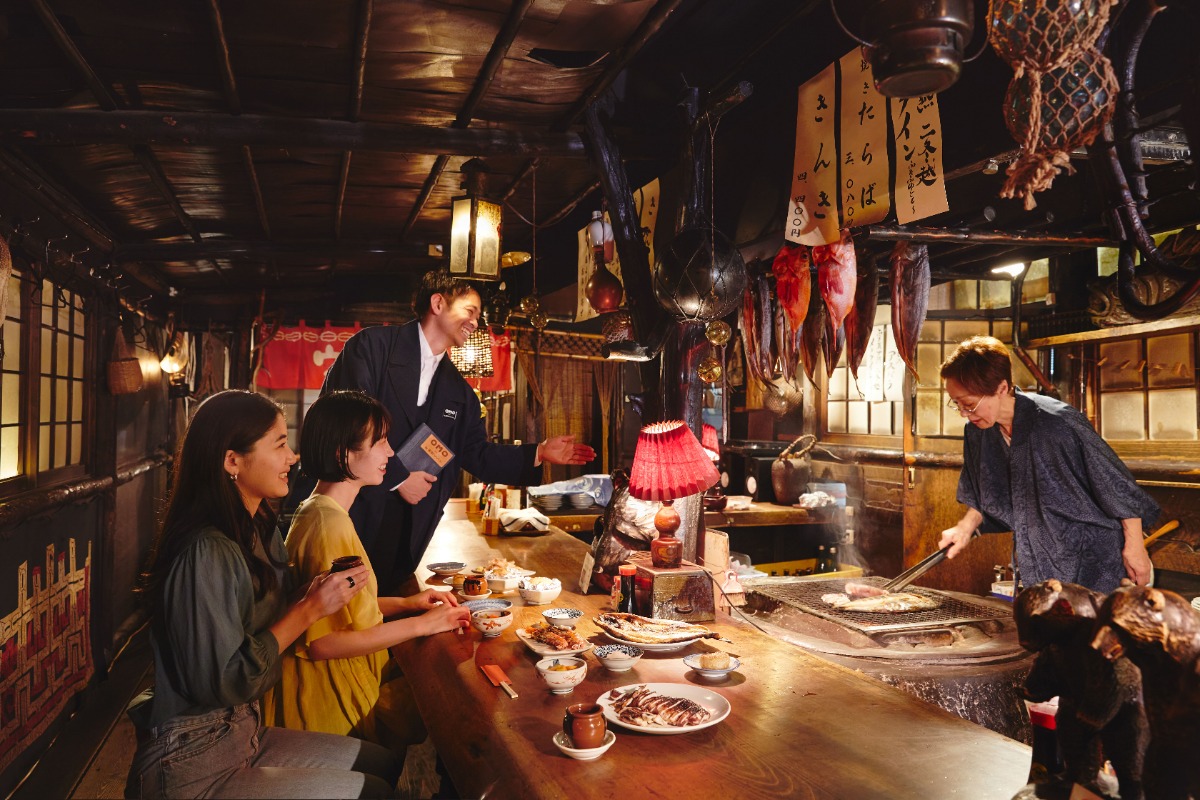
(1148, 389)
(61, 390)
(12, 387)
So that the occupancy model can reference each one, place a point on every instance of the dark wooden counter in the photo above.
(800, 727)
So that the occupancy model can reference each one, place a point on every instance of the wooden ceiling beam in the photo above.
(235, 248)
(625, 54)
(84, 126)
(487, 73)
(366, 10)
(110, 103)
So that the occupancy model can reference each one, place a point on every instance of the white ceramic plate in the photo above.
(524, 573)
(546, 650)
(716, 704)
(693, 661)
(669, 647)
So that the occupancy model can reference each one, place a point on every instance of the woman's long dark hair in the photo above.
(205, 496)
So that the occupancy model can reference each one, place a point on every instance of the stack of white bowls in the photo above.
(580, 500)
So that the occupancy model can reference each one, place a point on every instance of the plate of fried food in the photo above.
(502, 567)
(550, 640)
(663, 708)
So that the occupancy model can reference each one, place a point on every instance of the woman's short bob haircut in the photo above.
(980, 364)
(336, 424)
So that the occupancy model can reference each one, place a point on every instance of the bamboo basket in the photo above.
(124, 370)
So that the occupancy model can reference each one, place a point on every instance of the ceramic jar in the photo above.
(584, 725)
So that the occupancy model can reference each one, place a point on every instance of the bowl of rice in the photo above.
(537, 591)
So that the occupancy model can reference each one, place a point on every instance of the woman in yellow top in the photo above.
(332, 677)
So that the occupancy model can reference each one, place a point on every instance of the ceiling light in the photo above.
(1010, 270)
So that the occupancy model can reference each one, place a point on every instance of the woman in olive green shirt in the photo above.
(221, 616)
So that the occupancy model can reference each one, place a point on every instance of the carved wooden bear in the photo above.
(1100, 711)
(1159, 632)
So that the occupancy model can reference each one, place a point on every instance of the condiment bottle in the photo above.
(832, 562)
(625, 604)
(822, 564)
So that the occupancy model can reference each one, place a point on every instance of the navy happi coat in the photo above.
(1060, 488)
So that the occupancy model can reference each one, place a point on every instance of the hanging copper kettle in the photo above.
(792, 470)
(916, 46)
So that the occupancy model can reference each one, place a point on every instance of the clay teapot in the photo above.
(792, 470)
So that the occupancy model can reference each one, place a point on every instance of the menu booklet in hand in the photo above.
(423, 452)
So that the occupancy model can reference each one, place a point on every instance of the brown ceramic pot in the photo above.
(585, 725)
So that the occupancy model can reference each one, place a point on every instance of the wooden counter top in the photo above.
(800, 726)
(757, 514)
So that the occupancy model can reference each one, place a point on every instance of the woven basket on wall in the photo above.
(124, 370)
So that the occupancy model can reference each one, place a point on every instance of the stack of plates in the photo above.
(548, 502)
(580, 500)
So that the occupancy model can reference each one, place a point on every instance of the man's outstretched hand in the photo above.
(564, 450)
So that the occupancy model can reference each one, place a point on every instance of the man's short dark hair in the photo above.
(441, 282)
(336, 424)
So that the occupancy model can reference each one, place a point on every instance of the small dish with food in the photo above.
(491, 621)
(714, 666)
(539, 591)
(446, 568)
(562, 617)
(562, 674)
(618, 657)
(499, 584)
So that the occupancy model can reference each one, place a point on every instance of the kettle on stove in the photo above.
(792, 470)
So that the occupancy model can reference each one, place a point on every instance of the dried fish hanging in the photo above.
(1063, 89)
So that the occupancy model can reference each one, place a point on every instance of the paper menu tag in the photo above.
(585, 575)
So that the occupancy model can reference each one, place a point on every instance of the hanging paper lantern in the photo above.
(1036, 33)
(1053, 113)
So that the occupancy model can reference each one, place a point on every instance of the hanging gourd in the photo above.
(1063, 89)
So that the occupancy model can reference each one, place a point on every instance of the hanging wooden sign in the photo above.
(863, 144)
(812, 209)
(920, 183)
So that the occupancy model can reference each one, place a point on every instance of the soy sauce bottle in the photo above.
(625, 604)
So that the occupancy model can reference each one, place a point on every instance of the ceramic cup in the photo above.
(475, 585)
(584, 725)
(345, 562)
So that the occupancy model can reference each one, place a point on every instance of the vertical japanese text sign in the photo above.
(863, 145)
(920, 184)
(812, 209)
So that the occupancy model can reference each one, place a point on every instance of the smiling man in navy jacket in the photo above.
(405, 367)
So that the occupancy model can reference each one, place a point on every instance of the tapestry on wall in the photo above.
(45, 647)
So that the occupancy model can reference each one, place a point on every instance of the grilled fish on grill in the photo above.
(881, 604)
(643, 630)
(645, 707)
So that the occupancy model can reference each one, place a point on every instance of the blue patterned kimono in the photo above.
(1060, 488)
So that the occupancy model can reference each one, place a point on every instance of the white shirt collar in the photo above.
(427, 353)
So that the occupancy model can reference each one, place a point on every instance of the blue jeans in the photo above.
(228, 753)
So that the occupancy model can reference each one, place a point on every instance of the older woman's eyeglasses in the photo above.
(963, 409)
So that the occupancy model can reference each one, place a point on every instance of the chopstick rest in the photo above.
(498, 678)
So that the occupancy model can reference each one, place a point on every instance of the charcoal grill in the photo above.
(806, 596)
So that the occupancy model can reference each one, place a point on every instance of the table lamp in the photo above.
(714, 498)
(669, 463)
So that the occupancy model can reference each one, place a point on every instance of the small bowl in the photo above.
(468, 597)
(563, 743)
(491, 621)
(500, 583)
(561, 681)
(618, 657)
(539, 597)
(693, 661)
(737, 502)
(562, 617)
(487, 605)
(446, 568)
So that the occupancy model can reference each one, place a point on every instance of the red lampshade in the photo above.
(669, 463)
(708, 440)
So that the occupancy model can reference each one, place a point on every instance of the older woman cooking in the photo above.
(1035, 465)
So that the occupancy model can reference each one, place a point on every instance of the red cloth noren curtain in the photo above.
(501, 380)
(298, 358)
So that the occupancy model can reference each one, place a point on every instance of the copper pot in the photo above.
(918, 44)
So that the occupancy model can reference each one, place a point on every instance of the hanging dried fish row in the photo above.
(861, 319)
(910, 281)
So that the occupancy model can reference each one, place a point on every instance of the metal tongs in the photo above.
(920, 568)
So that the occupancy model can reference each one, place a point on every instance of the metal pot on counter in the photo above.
(792, 470)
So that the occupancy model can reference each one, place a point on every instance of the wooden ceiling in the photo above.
(304, 154)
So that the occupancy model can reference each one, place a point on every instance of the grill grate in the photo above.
(806, 596)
